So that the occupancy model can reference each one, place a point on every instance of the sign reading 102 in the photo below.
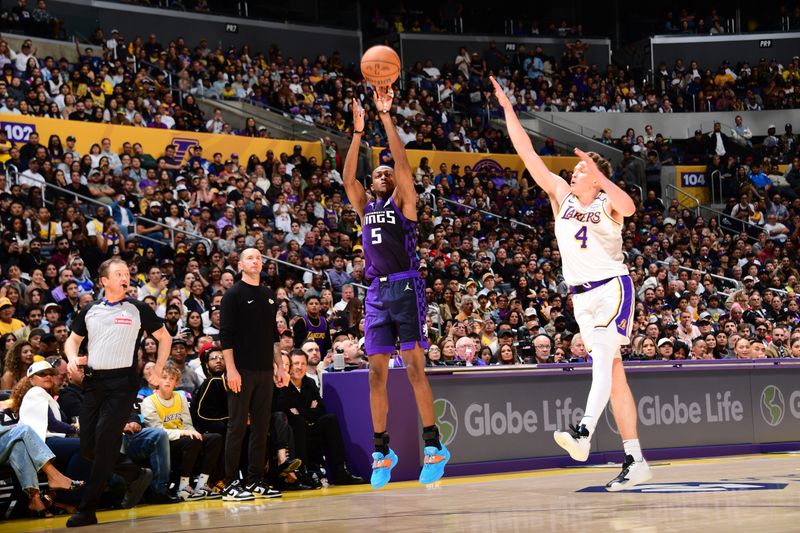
(17, 132)
(693, 179)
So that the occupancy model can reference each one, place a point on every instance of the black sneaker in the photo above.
(236, 492)
(136, 488)
(82, 518)
(160, 498)
(289, 466)
(343, 476)
(262, 490)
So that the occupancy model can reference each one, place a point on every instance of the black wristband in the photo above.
(356, 131)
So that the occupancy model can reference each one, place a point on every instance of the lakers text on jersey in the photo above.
(590, 241)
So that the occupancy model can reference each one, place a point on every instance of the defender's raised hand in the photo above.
(500, 94)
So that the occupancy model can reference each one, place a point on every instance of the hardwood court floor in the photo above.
(767, 499)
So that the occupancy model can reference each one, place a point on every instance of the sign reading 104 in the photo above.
(693, 179)
(17, 132)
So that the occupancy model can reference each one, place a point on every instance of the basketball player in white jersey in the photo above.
(589, 212)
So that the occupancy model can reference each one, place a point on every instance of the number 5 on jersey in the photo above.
(376, 236)
(581, 236)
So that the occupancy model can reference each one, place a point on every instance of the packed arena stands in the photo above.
(721, 287)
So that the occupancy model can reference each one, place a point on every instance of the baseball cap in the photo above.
(50, 305)
(748, 278)
(698, 132)
(471, 282)
(662, 342)
(208, 347)
(653, 320)
(486, 276)
(5, 302)
(71, 138)
(40, 368)
(181, 188)
(530, 311)
(506, 333)
(178, 340)
(155, 203)
(705, 315)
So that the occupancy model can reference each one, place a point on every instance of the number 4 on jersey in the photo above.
(581, 236)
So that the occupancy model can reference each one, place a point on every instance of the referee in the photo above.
(248, 332)
(114, 326)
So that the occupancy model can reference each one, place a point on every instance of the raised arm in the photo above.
(352, 187)
(555, 187)
(405, 194)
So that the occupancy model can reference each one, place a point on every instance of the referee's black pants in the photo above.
(255, 401)
(107, 403)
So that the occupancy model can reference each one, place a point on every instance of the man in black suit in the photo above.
(316, 432)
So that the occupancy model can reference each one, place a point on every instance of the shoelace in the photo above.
(383, 463)
(575, 431)
(433, 459)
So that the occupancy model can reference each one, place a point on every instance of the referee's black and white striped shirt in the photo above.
(114, 331)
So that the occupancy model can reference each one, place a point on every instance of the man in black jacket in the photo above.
(316, 433)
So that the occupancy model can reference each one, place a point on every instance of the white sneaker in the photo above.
(575, 441)
(633, 473)
(188, 494)
(235, 492)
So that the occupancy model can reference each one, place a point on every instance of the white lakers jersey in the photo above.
(590, 241)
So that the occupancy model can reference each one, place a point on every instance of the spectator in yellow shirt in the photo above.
(5, 146)
(8, 324)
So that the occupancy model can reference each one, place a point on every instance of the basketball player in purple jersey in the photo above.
(395, 304)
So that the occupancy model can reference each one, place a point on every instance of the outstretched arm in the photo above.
(555, 187)
(405, 194)
(355, 191)
(618, 200)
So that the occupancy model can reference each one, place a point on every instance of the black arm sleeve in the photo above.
(150, 321)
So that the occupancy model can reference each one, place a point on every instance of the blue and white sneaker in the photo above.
(434, 463)
(382, 468)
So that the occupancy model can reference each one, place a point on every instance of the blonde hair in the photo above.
(172, 371)
(602, 163)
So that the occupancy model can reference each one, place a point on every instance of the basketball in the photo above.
(380, 66)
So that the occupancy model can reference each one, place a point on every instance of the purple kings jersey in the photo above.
(389, 240)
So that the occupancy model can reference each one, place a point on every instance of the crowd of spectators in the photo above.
(31, 18)
(492, 269)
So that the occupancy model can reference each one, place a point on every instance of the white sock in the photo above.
(633, 448)
(184, 482)
(202, 481)
(600, 392)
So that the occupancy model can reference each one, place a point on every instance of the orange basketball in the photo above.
(380, 66)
